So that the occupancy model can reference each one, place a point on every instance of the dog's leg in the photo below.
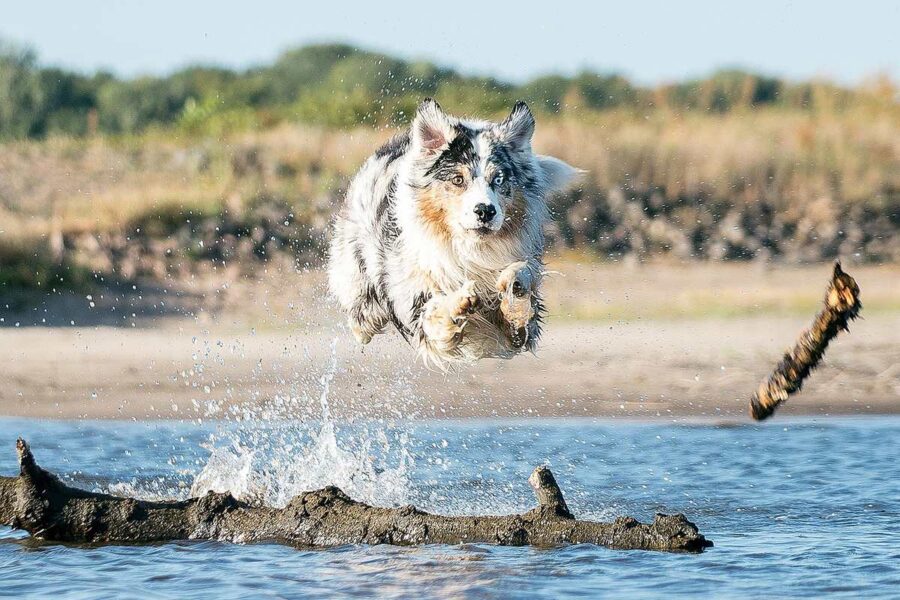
(517, 286)
(367, 318)
(443, 320)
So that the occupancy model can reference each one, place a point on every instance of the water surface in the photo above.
(796, 508)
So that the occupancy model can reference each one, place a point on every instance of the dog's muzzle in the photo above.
(485, 213)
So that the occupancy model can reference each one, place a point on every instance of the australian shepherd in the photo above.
(441, 235)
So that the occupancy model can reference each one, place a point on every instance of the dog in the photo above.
(442, 235)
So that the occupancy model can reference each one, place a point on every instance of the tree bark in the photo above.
(38, 502)
(842, 305)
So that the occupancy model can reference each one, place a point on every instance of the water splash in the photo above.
(270, 458)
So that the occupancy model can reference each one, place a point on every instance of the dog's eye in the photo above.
(457, 180)
(499, 179)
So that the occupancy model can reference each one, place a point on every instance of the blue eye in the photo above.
(499, 179)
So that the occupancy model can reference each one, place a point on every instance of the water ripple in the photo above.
(800, 509)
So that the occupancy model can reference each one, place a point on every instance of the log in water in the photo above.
(38, 502)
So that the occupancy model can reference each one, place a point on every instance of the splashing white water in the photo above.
(284, 458)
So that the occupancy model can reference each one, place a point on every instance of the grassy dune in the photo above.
(768, 183)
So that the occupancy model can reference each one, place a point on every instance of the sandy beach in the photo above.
(651, 342)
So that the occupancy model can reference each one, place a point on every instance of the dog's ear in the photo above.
(518, 127)
(432, 130)
(558, 175)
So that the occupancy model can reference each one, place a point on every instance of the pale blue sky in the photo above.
(649, 41)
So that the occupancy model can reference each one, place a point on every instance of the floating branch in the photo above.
(842, 305)
(38, 502)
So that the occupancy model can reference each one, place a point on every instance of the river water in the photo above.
(796, 508)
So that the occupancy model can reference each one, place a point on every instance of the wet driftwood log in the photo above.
(842, 305)
(38, 502)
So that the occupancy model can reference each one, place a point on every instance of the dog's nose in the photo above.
(485, 212)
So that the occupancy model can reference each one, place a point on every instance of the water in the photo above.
(799, 508)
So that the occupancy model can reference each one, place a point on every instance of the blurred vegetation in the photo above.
(342, 86)
(158, 176)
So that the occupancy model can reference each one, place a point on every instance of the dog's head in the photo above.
(476, 178)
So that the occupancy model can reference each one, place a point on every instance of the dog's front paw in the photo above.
(515, 285)
(464, 301)
(362, 336)
(446, 316)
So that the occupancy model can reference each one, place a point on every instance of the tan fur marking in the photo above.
(433, 204)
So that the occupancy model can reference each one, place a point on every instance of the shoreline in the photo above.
(707, 369)
(787, 420)
(703, 341)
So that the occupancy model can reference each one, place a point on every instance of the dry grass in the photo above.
(792, 157)
(829, 181)
(787, 156)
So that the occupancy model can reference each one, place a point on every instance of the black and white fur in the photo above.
(441, 234)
